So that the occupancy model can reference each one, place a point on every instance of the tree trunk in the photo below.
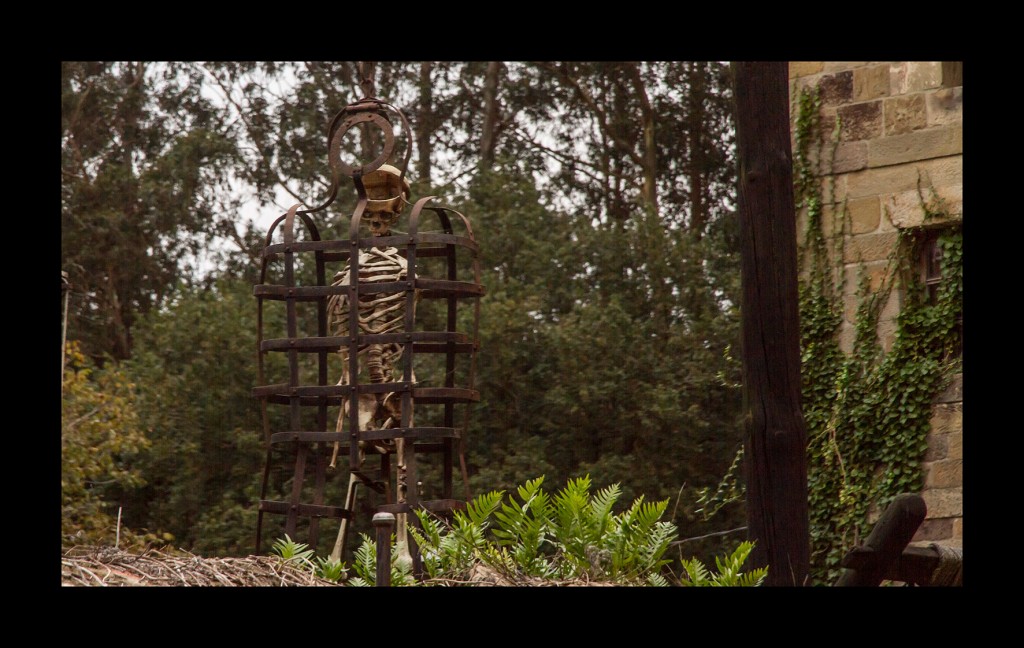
(488, 138)
(698, 210)
(650, 150)
(776, 443)
(425, 130)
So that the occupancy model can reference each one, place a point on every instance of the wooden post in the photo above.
(384, 523)
(776, 435)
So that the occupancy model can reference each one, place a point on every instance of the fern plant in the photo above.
(523, 528)
(294, 552)
(570, 535)
(365, 566)
(299, 553)
(328, 569)
(453, 550)
(730, 573)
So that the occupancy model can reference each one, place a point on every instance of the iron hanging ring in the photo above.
(342, 167)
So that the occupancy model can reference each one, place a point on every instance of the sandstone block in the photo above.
(836, 88)
(841, 66)
(905, 114)
(850, 156)
(938, 447)
(922, 75)
(865, 214)
(871, 82)
(943, 502)
(804, 68)
(870, 247)
(908, 208)
(860, 121)
(847, 333)
(897, 78)
(945, 473)
(917, 145)
(955, 445)
(938, 172)
(944, 106)
(887, 320)
(947, 418)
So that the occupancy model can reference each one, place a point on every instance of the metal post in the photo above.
(384, 523)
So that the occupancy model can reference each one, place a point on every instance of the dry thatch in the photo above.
(108, 567)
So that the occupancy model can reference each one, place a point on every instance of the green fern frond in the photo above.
(657, 580)
(429, 533)
(365, 560)
(730, 572)
(291, 551)
(752, 578)
(697, 574)
(483, 506)
(605, 500)
(332, 570)
(530, 488)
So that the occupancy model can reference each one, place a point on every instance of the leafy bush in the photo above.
(101, 438)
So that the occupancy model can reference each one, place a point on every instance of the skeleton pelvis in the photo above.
(376, 412)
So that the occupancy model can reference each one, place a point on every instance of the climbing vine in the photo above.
(868, 411)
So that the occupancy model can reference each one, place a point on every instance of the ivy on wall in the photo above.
(868, 411)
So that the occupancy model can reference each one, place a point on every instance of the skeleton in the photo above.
(378, 313)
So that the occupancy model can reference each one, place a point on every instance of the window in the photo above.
(952, 74)
(930, 268)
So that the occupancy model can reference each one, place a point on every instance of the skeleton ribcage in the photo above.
(378, 312)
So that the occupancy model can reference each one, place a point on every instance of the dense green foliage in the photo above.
(868, 411)
(599, 193)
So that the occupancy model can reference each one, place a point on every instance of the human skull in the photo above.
(380, 222)
(387, 193)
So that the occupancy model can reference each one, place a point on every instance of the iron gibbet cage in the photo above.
(298, 389)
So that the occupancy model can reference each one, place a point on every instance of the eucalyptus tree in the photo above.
(146, 168)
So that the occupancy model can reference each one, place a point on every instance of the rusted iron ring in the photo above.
(342, 167)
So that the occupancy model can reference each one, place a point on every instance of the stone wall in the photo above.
(900, 141)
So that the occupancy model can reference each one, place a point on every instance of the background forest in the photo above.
(601, 195)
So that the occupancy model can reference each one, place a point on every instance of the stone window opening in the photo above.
(952, 74)
(929, 261)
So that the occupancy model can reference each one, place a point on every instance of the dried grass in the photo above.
(108, 567)
(83, 566)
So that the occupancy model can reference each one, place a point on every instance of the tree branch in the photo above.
(248, 125)
(602, 118)
(558, 155)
